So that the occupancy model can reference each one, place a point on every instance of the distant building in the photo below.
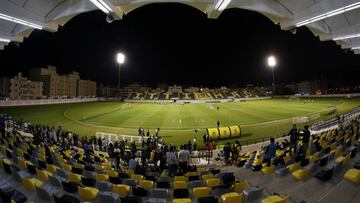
(86, 88)
(56, 85)
(104, 91)
(4, 87)
(22, 88)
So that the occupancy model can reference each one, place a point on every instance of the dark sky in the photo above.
(177, 44)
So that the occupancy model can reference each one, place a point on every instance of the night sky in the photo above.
(177, 44)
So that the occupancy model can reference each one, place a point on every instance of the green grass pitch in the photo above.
(257, 118)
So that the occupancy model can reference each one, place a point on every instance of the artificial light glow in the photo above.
(271, 61)
(355, 48)
(23, 22)
(101, 5)
(347, 37)
(329, 14)
(120, 58)
(222, 4)
(5, 40)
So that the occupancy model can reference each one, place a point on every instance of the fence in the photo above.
(117, 137)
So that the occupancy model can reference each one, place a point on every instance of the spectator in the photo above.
(184, 157)
(305, 139)
(270, 151)
(172, 161)
(194, 144)
(227, 151)
(293, 139)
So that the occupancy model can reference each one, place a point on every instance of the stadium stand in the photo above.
(201, 94)
(39, 170)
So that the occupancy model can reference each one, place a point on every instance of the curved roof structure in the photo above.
(337, 20)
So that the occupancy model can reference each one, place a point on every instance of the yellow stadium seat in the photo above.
(129, 172)
(121, 189)
(232, 197)
(31, 183)
(67, 167)
(207, 176)
(137, 177)
(338, 151)
(185, 200)
(22, 163)
(192, 173)
(73, 177)
(213, 182)
(112, 173)
(239, 187)
(88, 192)
(294, 167)
(164, 173)
(99, 167)
(301, 174)
(201, 192)
(101, 177)
(353, 175)
(51, 168)
(77, 165)
(180, 185)
(347, 159)
(275, 199)
(268, 170)
(148, 184)
(201, 170)
(43, 175)
(313, 158)
(179, 178)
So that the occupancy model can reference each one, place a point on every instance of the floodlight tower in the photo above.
(271, 61)
(120, 59)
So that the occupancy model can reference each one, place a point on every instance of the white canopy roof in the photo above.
(327, 19)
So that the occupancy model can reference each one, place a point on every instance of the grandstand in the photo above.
(38, 171)
(173, 93)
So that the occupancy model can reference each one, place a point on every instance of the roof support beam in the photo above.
(319, 11)
(15, 11)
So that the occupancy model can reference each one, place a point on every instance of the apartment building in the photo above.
(86, 88)
(57, 85)
(22, 88)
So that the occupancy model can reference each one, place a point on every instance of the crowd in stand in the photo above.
(152, 151)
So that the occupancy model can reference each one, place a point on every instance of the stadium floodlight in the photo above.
(5, 40)
(329, 14)
(120, 58)
(271, 62)
(222, 4)
(346, 37)
(102, 6)
(20, 21)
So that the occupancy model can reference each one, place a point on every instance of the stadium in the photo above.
(266, 114)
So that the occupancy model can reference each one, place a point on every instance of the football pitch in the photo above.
(180, 123)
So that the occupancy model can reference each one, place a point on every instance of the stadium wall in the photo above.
(45, 101)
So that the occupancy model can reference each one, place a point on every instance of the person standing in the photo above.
(184, 157)
(194, 144)
(227, 150)
(305, 139)
(270, 151)
(293, 139)
(172, 161)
